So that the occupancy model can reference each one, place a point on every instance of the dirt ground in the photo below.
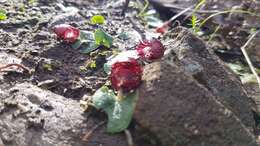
(26, 38)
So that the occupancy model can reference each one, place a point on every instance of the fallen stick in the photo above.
(129, 138)
(243, 49)
(87, 135)
(14, 64)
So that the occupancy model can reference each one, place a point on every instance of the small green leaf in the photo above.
(86, 42)
(93, 64)
(102, 38)
(97, 19)
(77, 44)
(119, 112)
(3, 15)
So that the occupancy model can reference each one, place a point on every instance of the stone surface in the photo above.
(200, 62)
(190, 98)
(30, 116)
(254, 51)
(181, 112)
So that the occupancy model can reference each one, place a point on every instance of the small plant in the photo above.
(195, 22)
(102, 38)
(3, 14)
(125, 77)
(124, 70)
(144, 8)
(86, 40)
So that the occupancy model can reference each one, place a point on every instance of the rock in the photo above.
(254, 51)
(190, 98)
(205, 67)
(181, 112)
(35, 117)
(8, 58)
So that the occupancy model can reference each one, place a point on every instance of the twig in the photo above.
(178, 15)
(228, 11)
(141, 13)
(199, 11)
(243, 49)
(129, 138)
(166, 24)
(87, 135)
(14, 64)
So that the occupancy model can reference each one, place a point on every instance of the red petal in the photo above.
(126, 75)
(66, 32)
(150, 50)
(71, 35)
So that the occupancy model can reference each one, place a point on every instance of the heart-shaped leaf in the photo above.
(3, 15)
(89, 47)
(97, 19)
(86, 42)
(102, 38)
(119, 112)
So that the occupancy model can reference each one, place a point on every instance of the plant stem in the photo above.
(129, 137)
(141, 14)
(243, 49)
(90, 132)
(228, 11)
(120, 96)
(14, 64)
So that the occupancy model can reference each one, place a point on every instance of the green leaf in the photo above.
(86, 35)
(98, 19)
(89, 47)
(93, 64)
(3, 15)
(119, 112)
(102, 38)
(86, 42)
(77, 44)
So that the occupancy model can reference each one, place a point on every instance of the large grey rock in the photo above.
(200, 62)
(190, 98)
(181, 112)
(30, 116)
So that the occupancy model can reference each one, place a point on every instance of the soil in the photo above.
(55, 67)
(59, 71)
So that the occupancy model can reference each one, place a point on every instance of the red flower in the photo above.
(126, 75)
(66, 32)
(150, 49)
